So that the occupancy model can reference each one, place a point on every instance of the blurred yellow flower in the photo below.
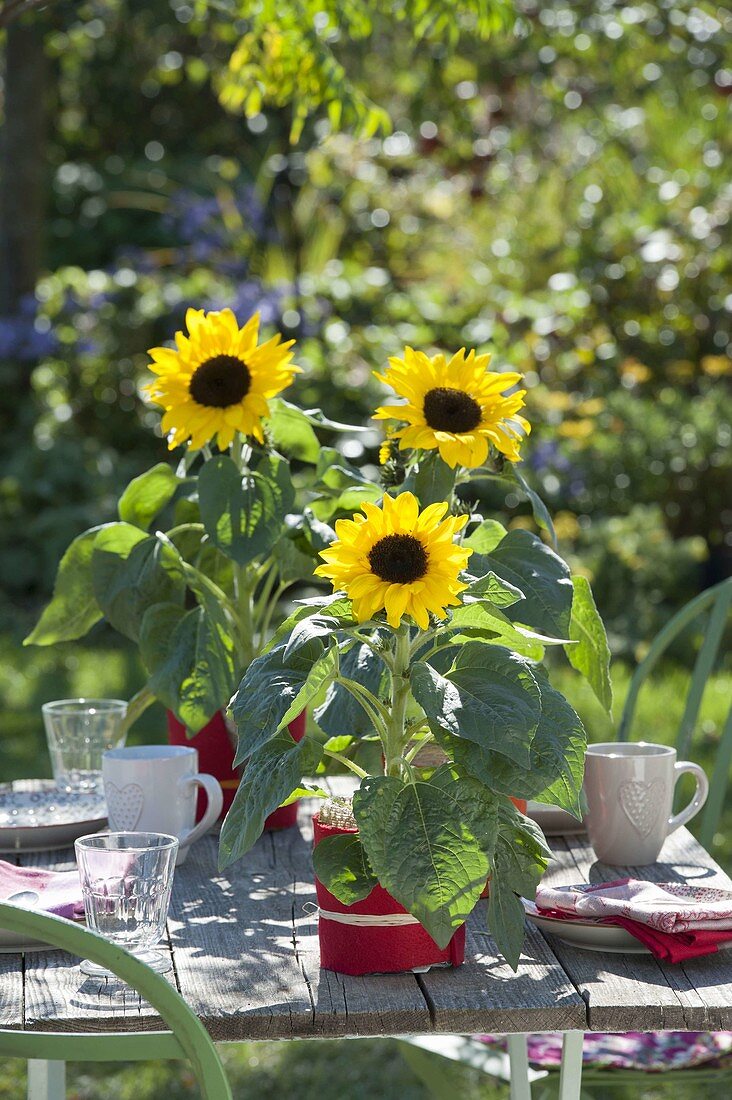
(591, 407)
(576, 429)
(716, 366)
(634, 371)
(566, 526)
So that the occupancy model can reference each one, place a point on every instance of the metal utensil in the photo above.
(26, 898)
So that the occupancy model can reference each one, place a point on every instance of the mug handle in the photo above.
(214, 806)
(700, 795)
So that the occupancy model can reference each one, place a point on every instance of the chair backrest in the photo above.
(192, 1038)
(714, 603)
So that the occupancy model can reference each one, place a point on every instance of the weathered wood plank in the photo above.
(637, 992)
(486, 995)
(232, 937)
(59, 997)
(386, 1004)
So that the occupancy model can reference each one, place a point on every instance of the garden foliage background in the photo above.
(556, 193)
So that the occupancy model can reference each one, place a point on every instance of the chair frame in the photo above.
(717, 601)
(47, 1052)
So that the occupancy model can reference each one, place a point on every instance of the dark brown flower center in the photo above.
(219, 382)
(399, 559)
(449, 410)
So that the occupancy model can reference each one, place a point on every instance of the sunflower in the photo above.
(217, 380)
(458, 407)
(398, 559)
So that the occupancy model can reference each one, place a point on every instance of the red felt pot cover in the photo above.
(216, 751)
(357, 949)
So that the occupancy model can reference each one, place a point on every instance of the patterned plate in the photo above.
(35, 816)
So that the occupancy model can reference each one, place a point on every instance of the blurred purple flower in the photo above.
(198, 226)
(546, 455)
(20, 339)
(250, 296)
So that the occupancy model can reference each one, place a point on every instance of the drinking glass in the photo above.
(126, 880)
(78, 731)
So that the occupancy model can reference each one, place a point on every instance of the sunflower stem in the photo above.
(395, 732)
(416, 749)
(269, 612)
(347, 763)
(375, 709)
(245, 605)
(382, 653)
(137, 705)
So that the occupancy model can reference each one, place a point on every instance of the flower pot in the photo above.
(216, 744)
(379, 947)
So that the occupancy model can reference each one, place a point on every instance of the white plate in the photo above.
(591, 935)
(552, 821)
(35, 816)
(13, 942)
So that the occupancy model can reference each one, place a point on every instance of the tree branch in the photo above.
(12, 9)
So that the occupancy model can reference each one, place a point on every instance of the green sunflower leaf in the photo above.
(422, 850)
(244, 514)
(147, 495)
(273, 691)
(131, 572)
(73, 609)
(272, 773)
(489, 696)
(342, 866)
(524, 561)
(591, 654)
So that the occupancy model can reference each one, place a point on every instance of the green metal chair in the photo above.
(715, 604)
(47, 1053)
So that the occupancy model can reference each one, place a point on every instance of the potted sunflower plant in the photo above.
(193, 569)
(457, 423)
(426, 640)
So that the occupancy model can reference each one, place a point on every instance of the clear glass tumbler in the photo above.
(78, 731)
(126, 879)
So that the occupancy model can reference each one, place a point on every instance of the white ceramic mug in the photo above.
(153, 789)
(630, 791)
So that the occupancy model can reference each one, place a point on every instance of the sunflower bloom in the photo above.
(385, 452)
(458, 406)
(398, 560)
(217, 379)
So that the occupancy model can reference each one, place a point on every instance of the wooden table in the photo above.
(245, 956)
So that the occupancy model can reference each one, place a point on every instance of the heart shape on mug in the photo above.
(642, 802)
(125, 805)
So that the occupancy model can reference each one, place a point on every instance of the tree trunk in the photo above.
(23, 167)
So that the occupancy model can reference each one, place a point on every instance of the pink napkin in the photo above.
(666, 906)
(59, 891)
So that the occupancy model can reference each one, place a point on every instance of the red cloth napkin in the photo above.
(676, 947)
(672, 947)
